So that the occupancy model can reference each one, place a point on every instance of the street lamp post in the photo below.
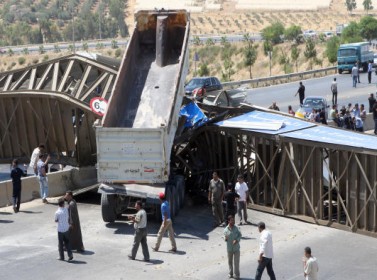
(73, 32)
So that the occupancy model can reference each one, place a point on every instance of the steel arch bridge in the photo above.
(50, 103)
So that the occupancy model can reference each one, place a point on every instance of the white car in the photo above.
(310, 34)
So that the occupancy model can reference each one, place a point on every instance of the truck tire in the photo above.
(180, 181)
(108, 207)
(170, 197)
(157, 213)
(340, 71)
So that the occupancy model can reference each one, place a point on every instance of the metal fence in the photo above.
(280, 79)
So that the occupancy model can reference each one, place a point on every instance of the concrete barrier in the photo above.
(58, 183)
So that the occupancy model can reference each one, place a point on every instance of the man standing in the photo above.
(166, 225)
(334, 90)
(16, 175)
(243, 191)
(375, 117)
(371, 100)
(370, 69)
(75, 236)
(310, 265)
(355, 74)
(216, 192)
(265, 253)
(301, 93)
(62, 218)
(140, 225)
(42, 176)
(232, 236)
(230, 198)
(35, 156)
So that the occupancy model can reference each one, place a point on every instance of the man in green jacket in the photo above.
(232, 236)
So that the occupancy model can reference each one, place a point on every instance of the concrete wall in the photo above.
(59, 182)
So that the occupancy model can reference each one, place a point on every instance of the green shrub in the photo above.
(35, 60)
(118, 52)
(21, 60)
(45, 58)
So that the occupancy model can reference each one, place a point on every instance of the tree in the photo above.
(203, 70)
(332, 46)
(210, 42)
(228, 70)
(351, 5)
(368, 27)
(224, 41)
(284, 60)
(310, 52)
(273, 33)
(196, 41)
(367, 5)
(293, 33)
(295, 54)
(250, 53)
(351, 34)
(41, 49)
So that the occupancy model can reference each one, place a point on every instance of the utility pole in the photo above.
(73, 31)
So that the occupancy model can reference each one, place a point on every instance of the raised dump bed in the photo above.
(135, 140)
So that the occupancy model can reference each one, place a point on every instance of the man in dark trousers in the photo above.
(230, 199)
(301, 93)
(16, 175)
(75, 236)
(140, 225)
(334, 90)
(265, 253)
(64, 223)
(371, 100)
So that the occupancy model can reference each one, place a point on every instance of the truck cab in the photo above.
(350, 54)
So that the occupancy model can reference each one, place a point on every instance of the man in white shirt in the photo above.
(265, 253)
(310, 265)
(35, 157)
(62, 218)
(243, 191)
(140, 225)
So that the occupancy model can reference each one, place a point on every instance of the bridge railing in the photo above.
(280, 79)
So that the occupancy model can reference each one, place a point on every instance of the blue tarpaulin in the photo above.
(194, 116)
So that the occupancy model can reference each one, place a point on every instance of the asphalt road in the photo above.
(284, 94)
(28, 247)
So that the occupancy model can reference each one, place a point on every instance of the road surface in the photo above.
(28, 247)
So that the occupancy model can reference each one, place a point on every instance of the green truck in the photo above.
(349, 54)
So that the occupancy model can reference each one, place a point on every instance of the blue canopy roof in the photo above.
(265, 122)
(290, 127)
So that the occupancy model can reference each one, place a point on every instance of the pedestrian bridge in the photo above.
(50, 103)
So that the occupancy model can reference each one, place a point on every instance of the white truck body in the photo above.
(135, 140)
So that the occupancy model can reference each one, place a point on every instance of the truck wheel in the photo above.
(157, 213)
(108, 207)
(340, 71)
(180, 181)
(177, 201)
(170, 197)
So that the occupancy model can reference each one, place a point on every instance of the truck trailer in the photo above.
(135, 138)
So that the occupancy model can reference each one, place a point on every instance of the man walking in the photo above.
(243, 192)
(370, 69)
(334, 90)
(166, 225)
(16, 175)
(216, 192)
(371, 101)
(265, 253)
(301, 93)
(75, 236)
(232, 236)
(62, 218)
(140, 225)
(310, 265)
(42, 176)
(355, 74)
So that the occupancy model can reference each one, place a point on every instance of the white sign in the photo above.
(98, 105)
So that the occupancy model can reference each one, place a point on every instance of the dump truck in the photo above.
(135, 138)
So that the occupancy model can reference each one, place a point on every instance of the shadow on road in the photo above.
(30, 212)
(5, 213)
(77, 262)
(6, 221)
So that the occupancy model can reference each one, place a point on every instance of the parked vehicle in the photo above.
(339, 28)
(310, 34)
(135, 140)
(207, 83)
(349, 54)
(225, 98)
(310, 103)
